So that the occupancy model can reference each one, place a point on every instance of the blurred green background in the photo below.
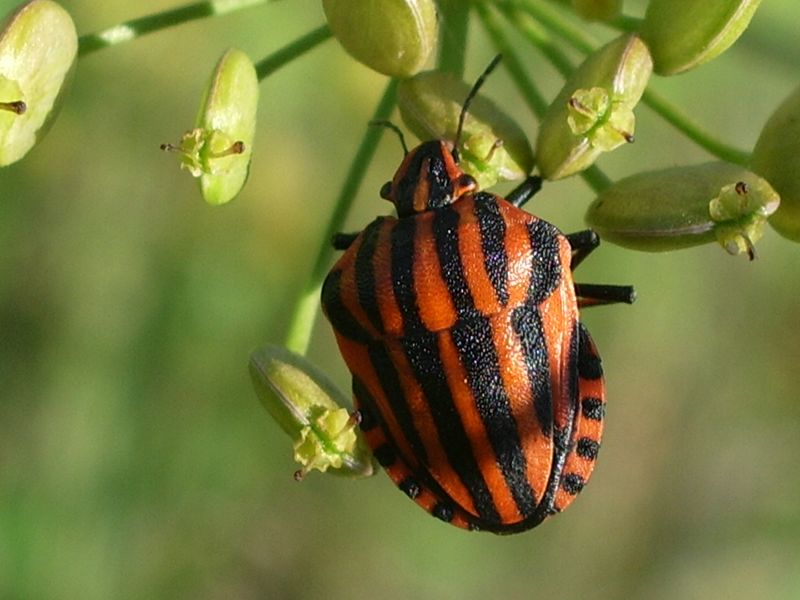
(136, 462)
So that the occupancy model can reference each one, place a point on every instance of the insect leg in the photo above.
(582, 242)
(594, 295)
(525, 191)
(342, 241)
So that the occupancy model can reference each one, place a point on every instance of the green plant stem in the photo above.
(454, 17)
(626, 23)
(302, 321)
(533, 97)
(541, 39)
(130, 30)
(276, 60)
(595, 178)
(552, 19)
(676, 117)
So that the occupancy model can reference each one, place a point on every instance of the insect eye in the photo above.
(386, 190)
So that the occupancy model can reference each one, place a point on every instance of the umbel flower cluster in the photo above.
(730, 200)
(594, 113)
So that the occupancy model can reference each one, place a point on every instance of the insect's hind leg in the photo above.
(583, 243)
(342, 241)
(524, 191)
(590, 294)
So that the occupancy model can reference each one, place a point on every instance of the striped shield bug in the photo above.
(478, 388)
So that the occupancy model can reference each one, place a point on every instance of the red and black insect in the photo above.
(479, 390)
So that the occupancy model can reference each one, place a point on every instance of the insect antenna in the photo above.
(393, 127)
(472, 93)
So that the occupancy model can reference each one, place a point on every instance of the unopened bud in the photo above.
(776, 157)
(684, 34)
(393, 37)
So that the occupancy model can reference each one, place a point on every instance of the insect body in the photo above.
(479, 389)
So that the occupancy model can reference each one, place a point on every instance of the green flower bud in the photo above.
(776, 157)
(492, 148)
(685, 206)
(593, 113)
(682, 35)
(393, 37)
(308, 407)
(597, 10)
(218, 150)
(38, 46)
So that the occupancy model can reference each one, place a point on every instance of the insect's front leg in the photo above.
(524, 191)
(342, 241)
